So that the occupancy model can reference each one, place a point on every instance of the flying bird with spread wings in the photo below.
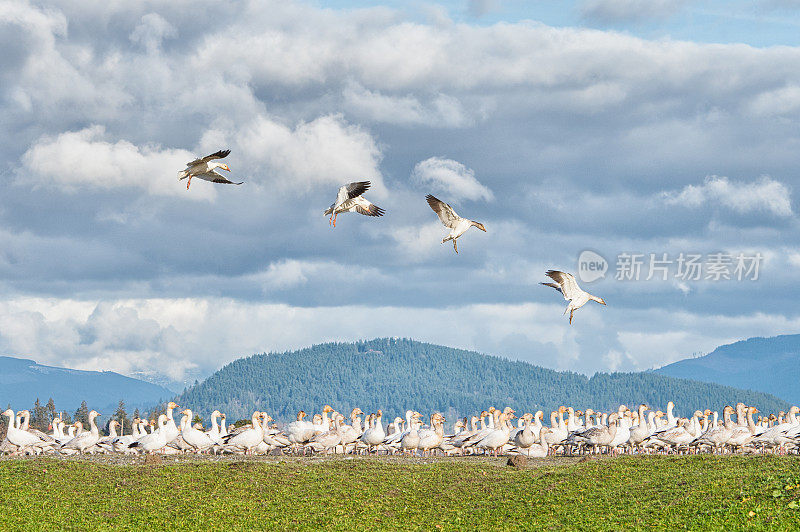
(566, 284)
(204, 167)
(457, 225)
(350, 199)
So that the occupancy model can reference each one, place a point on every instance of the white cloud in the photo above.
(290, 273)
(450, 177)
(416, 242)
(780, 102)
(683, 287)
(441, 111)
(615, 11)
(764, 194)
(326, 151)
(82, 158)
(151, 31)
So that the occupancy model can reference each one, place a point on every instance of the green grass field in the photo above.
(699, 492)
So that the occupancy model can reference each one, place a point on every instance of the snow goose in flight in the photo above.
(566, 284)
(457, 225)
(203, 168)
(349, 199)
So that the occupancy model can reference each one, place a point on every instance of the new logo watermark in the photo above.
(591, 266)
(717, 266)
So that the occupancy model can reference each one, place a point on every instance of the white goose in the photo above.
(410, 439)
(300, 432)
(85, 440)
(106, 443)
(214, 433)
(23, 439)
(248, 438)
(155, 441)
(598, 436)
(375, 434)
(434, 436)
(203, 168)
(198, 439)
(566, 284)
(328, 440)
(524, 438)
(349, 199)
(122, 442)
(457, 225)
(540, 449)
(351, 433)
(639, 432)
(497, 437)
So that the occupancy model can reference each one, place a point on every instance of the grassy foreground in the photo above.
(700, 492)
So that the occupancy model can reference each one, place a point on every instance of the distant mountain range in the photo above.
(23, 381)
(765, 364)
(399, 374)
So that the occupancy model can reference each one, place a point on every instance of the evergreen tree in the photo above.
(122, 418)
(82, 414)
(51, 409)
(136, 414)
(39, 419)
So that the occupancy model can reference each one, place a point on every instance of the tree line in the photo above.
(398, 374)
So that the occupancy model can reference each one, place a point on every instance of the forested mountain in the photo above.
(398, 374)
(766, 364)
(23, 381)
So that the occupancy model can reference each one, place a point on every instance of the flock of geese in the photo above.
(350, 199)
(492, 431)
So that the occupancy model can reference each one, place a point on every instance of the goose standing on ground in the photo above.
(349, 199)
(214, 433)
(566, 284)
(122, 442)
(351, 433)
(204, 167)
(22, 438)
(106, 443)
(410, 439)
(598, 436)
(171, 431)
(540, 449)
(457, 225)
(153, 441)
(641, 431)
(248, 438)
(498, 436)
(84, 440)
(328, 440)
(374, 435)
(299, 432)
(26, 417)
(524, 438)
(434, 436)
(199, 440)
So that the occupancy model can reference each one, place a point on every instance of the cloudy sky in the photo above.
(635, 127)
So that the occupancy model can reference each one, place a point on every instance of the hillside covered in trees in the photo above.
(399, 374)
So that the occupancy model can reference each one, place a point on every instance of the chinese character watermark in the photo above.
(681, 267)
(716, 266)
